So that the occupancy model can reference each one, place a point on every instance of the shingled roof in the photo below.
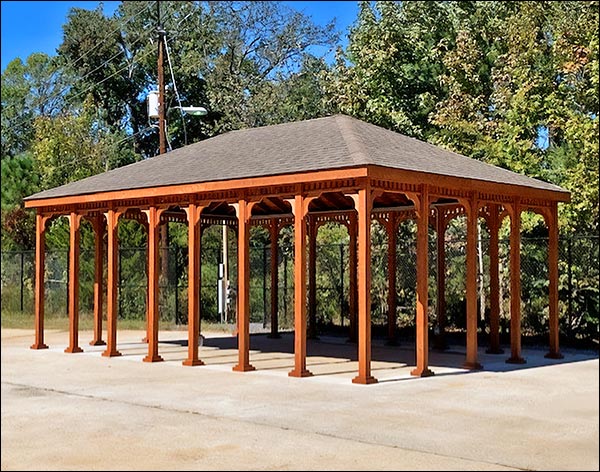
(333, 142)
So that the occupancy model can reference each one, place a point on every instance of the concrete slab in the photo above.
(86, 412)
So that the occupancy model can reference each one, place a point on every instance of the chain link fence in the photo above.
(578, 284)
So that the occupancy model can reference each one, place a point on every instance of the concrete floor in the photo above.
(85, 412)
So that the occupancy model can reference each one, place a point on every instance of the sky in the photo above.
(29, 27)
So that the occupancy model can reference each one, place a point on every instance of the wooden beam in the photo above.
(493, 228)
(243, 296)
(194, 288)
(422, 322)
(112, 221)
(153, 273)
(99, 226)
(300, 209)
(364, 204)
(74, 248)
(471, 361)
(40, 266)
(515, 284)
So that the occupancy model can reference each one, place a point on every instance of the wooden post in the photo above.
(422, 342)
(194, 244)
(364, 287)
(312, 278)
(148, 282)
(494, 226)
(353, 291)
(471, 208)
(112, 221)
(552, 223)
(243, 295)
(440, 339)
(74, 239)
(40, 258)
(99, 226)
(515, 285)
(153, 273)
(300, 209)
(392, 231)
(274, 234)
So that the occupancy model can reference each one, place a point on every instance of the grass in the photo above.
(18, 320)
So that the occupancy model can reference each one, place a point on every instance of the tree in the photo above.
(29, 89)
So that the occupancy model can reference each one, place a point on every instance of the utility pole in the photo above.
(162, 135)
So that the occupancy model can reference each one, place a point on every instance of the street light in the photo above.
(195, 111)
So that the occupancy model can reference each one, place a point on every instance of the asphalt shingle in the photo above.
(333, 142)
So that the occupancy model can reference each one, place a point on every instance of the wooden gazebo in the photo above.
(303, 174)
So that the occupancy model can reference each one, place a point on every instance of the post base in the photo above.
(554, 355)
(97, 342)
(73, 350)
(516, 360)
(418, 372)
(38, 346)
(359, 379)
(472, 366)
(192, 362)
(244, 368)
(494, 350)
(111, 354)
(300, 373)
(153, 358)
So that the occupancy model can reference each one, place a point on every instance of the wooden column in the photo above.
(422, 342)
(153, 215)
(364, 288)
(112, 221)
(515, 286)
(392, 231)
(493, 227)
(300, 208)
(74, 240)
(243, 295)
(353, 290)
(194, 243)
(312, 278)
(471, 361)
(40, 258)
(145, 338)
(274, 235)
(440, 339)
(99, 225)
(552, 223)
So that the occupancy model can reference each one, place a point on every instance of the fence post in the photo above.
(67, 286)
(176, 284)
(285, 285)
(264, 272)
(570, 283)
(119, 289)
(342, 284)
(22, 265)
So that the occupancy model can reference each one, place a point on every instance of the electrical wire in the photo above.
(176, 92)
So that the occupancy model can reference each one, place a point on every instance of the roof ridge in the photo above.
(350, 137)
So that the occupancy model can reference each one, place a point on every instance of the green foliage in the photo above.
(510, 83)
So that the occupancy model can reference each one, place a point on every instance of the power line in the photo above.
(71, 99)
(176, 92)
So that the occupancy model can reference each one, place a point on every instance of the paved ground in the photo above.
(82, 411)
